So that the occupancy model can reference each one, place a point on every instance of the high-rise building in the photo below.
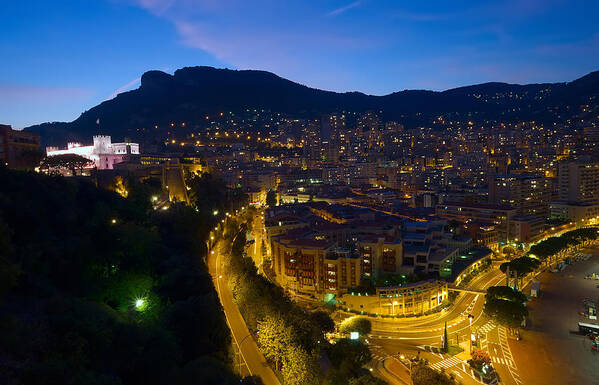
(529, 194)
(334, 132)
(578, 182)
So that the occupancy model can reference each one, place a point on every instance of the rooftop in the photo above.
(477, 205)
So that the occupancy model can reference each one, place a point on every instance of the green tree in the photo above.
(323, 321)
(349, 356)
(424, 375)
(72, 162)
(358, 324)
(9, 271)
(445, 339)
(207, 194)
(366, 379)
(508, 250)
(85, 274)
(505, 312)
(506, 306)
(520, 267)
(271, 198)
(505, 293)
(274, 338)
(299, 367)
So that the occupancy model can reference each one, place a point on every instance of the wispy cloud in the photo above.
(345, 8)
(157, 7)
(124, 87)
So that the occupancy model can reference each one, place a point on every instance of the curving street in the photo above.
(254, 361)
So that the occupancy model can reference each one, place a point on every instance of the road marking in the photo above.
(505, 348)
(486, 328)
(447, 363)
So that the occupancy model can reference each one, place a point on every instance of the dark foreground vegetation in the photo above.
(98, 289)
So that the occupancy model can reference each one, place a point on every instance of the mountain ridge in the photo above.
(190, 93)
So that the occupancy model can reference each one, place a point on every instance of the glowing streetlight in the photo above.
(215, 212)
(140, 304)
(113, 221)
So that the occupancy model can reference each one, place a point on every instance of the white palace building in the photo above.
(103, 152)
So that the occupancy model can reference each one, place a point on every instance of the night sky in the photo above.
(60, 58)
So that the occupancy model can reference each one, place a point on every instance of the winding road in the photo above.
(253, 359)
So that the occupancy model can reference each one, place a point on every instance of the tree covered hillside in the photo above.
(98, 289)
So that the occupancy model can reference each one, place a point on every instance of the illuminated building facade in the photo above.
(578, 182)
(313, 266)
(102, 152)
(529, 194)
(406, 300)
(500, 216)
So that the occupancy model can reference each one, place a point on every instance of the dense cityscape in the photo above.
(217, 226)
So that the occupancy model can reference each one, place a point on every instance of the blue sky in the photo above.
(60, 58)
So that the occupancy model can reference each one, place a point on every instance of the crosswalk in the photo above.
(490, 325)
(507, 354)
(502, 361)
(447, 363)
(378, 353)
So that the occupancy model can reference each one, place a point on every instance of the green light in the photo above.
(140, 304)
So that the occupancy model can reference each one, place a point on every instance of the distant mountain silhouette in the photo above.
(193, 92)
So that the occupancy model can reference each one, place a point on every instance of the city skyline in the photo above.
(345, 192)
(89, 53)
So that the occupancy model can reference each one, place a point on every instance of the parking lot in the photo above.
(552, 351)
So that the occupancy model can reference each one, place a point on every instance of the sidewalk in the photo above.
(399, 372)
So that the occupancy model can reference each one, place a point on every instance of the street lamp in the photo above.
(393, 308)
(470, 317)
(402, 357)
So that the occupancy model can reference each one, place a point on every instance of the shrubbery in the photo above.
(98, 289)
(290, 337)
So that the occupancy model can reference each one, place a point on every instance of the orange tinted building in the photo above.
(18, 149)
